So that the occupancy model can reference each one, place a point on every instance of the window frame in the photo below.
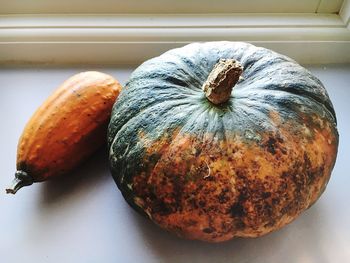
(168, 6)
(309, 38)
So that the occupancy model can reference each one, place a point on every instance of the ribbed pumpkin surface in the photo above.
(213, 172)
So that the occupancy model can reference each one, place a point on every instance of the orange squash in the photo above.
(68, 127)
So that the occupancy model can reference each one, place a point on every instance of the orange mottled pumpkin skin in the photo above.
(214, 190)
(243, 168)
(68, 127)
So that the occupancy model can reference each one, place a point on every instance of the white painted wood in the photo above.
(345, 13)
(157, 6)
(170, 21)
(130, 39)
(172, 35)
(329, 6)
(305, 52)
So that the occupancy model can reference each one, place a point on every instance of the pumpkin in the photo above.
(67, 128)
(218, 140)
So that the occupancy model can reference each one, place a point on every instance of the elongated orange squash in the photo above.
(68, 127)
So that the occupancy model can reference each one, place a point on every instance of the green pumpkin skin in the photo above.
(213, 172)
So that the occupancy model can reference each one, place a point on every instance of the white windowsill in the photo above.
(131, 39)
(53, 221)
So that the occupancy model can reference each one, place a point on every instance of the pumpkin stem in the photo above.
(221, 80)
(21, 179)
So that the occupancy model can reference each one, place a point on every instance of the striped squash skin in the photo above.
(213, 172)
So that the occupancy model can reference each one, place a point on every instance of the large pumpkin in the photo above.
(209, 164)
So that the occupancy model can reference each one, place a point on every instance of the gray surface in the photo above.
(85, 219)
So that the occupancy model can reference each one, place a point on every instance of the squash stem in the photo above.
(221, 80)
(21, 179)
